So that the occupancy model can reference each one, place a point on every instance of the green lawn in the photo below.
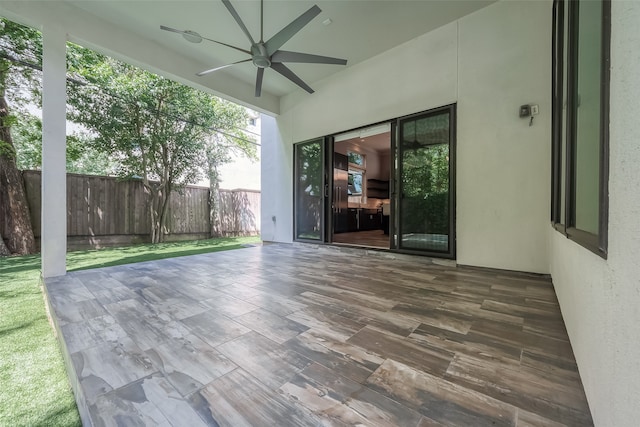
(34, 389)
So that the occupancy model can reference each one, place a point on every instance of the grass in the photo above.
(34, 389)
(82, 260)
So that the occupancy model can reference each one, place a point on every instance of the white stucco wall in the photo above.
(490, 63)
(277, 183)
(503, 174)
(600, 299)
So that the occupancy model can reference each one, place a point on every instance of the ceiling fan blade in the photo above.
(235, 15)
(276, 42)
(193, 33)
(282, 69)
(228, 45)
(190, 36)
(205, 72)
(173, 30)
(259, 82)
(286, 56)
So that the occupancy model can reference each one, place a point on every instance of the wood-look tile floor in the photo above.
(286, 335)
(370, 238)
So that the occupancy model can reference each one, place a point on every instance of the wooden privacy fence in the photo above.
(105, 211)
(238, 213)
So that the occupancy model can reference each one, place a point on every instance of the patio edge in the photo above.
(72, 376)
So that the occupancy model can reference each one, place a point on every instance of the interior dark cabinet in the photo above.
(352, 219)
(370, 219)
(340, 161)
(364, 219)
(377, 189)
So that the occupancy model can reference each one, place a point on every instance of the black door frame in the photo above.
(328, 189)
(397, 154)
(323, 223)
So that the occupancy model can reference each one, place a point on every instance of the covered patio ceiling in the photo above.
(298, 335)
(130, 30)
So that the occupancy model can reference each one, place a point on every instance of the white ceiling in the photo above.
(375, 138)
(380, 143)
(360, 30)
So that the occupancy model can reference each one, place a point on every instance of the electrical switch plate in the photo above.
(534, 109)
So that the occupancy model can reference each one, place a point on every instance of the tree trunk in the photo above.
(163, 211)
(214, 200)
(3, 248)
(20, 239)
(153, 212)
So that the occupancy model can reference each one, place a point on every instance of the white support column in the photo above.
(54, 168)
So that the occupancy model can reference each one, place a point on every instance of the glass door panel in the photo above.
(309, 190)
(425, 204)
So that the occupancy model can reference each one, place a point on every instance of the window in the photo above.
(357, 170)
(252, 122)
(354, 185)
(579, 205)
(356, 159)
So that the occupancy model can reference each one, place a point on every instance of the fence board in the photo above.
(103, 208)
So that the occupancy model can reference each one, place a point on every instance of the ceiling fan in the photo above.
(267, 54)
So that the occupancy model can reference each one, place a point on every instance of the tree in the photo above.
(425, 175)
(81, 157)
(156, 129)
(19, 45)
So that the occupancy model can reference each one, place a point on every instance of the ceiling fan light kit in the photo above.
(267, 54)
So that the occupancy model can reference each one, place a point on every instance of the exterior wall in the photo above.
(277, 183)
(503, 171)
(490, 63)
(600, 299)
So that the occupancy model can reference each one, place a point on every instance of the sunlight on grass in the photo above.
(82, 260)
(34, 389)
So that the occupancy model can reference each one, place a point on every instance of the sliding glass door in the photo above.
(420, 176)
(309, 172)
(425, 205)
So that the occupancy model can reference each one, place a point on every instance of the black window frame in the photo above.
(324, 188)
(597, 243)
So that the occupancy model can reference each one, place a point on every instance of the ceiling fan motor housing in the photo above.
(260, 57)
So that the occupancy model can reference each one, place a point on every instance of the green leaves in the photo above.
(157, 127)
(81, 158)
(21, 49)
(7, 150)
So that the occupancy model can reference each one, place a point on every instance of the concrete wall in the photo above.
(600, 299)
(490, 63)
